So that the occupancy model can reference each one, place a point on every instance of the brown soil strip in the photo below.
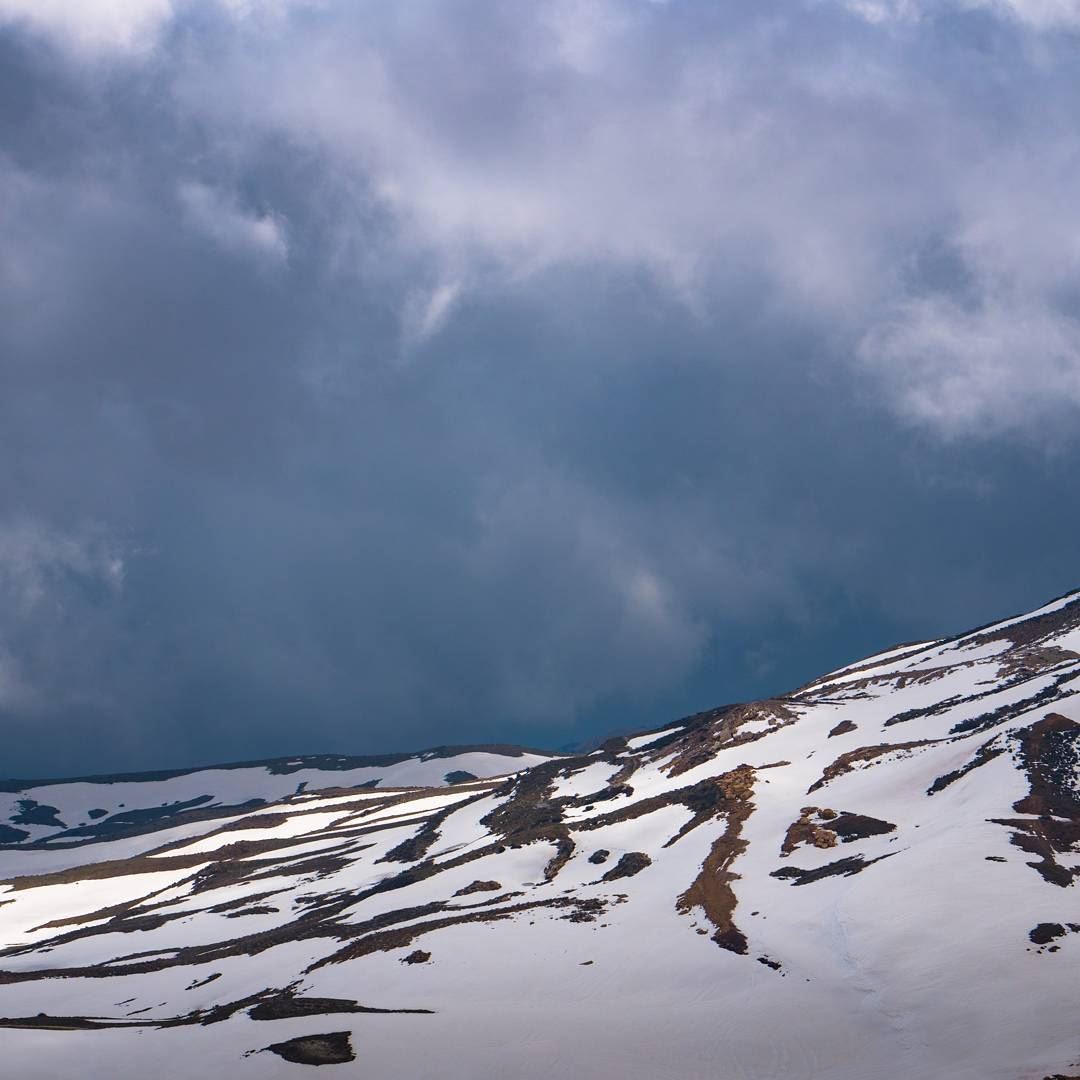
(846, 762)
(851, 827)
(712, 889)
(401, 937)
(286, 1006)
(807, 831)
(1050, 754)
(718, 729)
(479, 886)
(985, 754)
(633, 862)
(1046, 838)
(912, 649)
(1011, 710)
(1050, 751)
(853, 864)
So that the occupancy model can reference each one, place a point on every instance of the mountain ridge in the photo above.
(870, 876)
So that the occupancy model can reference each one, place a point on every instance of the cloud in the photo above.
(732, 333)
(93, 27)
(1042, 14)
(47, 579)
(129, 29)
(1001, 368)
(34, 558)
(219, 217)
(1039, 15)
(14, 693)
(882, 11)
(646, 138)
(427, 310)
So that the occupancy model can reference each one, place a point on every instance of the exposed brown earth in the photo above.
(525, 810)
(479, 886)
(1050, 753)
(851, 827)
(286, 1006)
(1047, 838)
(807, 831)
(1033, 629)
(871, 662)
(708, 733)
(1034, 660)
(846, 762)
(633, 862)
(853, 864)
(712, 889)
(985, 754)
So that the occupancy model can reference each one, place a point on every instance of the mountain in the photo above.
(872, 877)
(59, 813)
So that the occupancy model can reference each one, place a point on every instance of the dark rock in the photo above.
(856, 826)
(35, 813)
(334, 1048)
(633, 862)
(1045, 932)
(479, 886)
(854, 864)
(459, 776)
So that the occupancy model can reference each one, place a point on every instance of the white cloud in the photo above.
(1005, 366)
(882, 11)
(618, 614)
(126, 28)
(427, 310)
(1040, 15)
(92, 26)
(14, 691)
(42, 574)
(623, 134)
(33, 558)
(220, 218)
(585, 30)
(581, 155)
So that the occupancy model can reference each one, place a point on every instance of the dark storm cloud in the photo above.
(377, 376)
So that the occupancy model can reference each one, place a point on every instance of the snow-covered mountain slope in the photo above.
(64, 812)
(873, 877)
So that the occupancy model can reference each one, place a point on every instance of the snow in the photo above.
(297, 825)
(592, 778)
(639, 742)
(235, 786)
(920, 965)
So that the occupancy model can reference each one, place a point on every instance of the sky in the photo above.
(379, 376)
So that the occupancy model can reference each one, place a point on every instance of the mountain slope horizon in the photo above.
(872, 875)
(338, 761)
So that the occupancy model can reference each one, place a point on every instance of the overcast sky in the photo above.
(381, 375)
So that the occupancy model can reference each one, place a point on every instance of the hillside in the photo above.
(874, 876)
